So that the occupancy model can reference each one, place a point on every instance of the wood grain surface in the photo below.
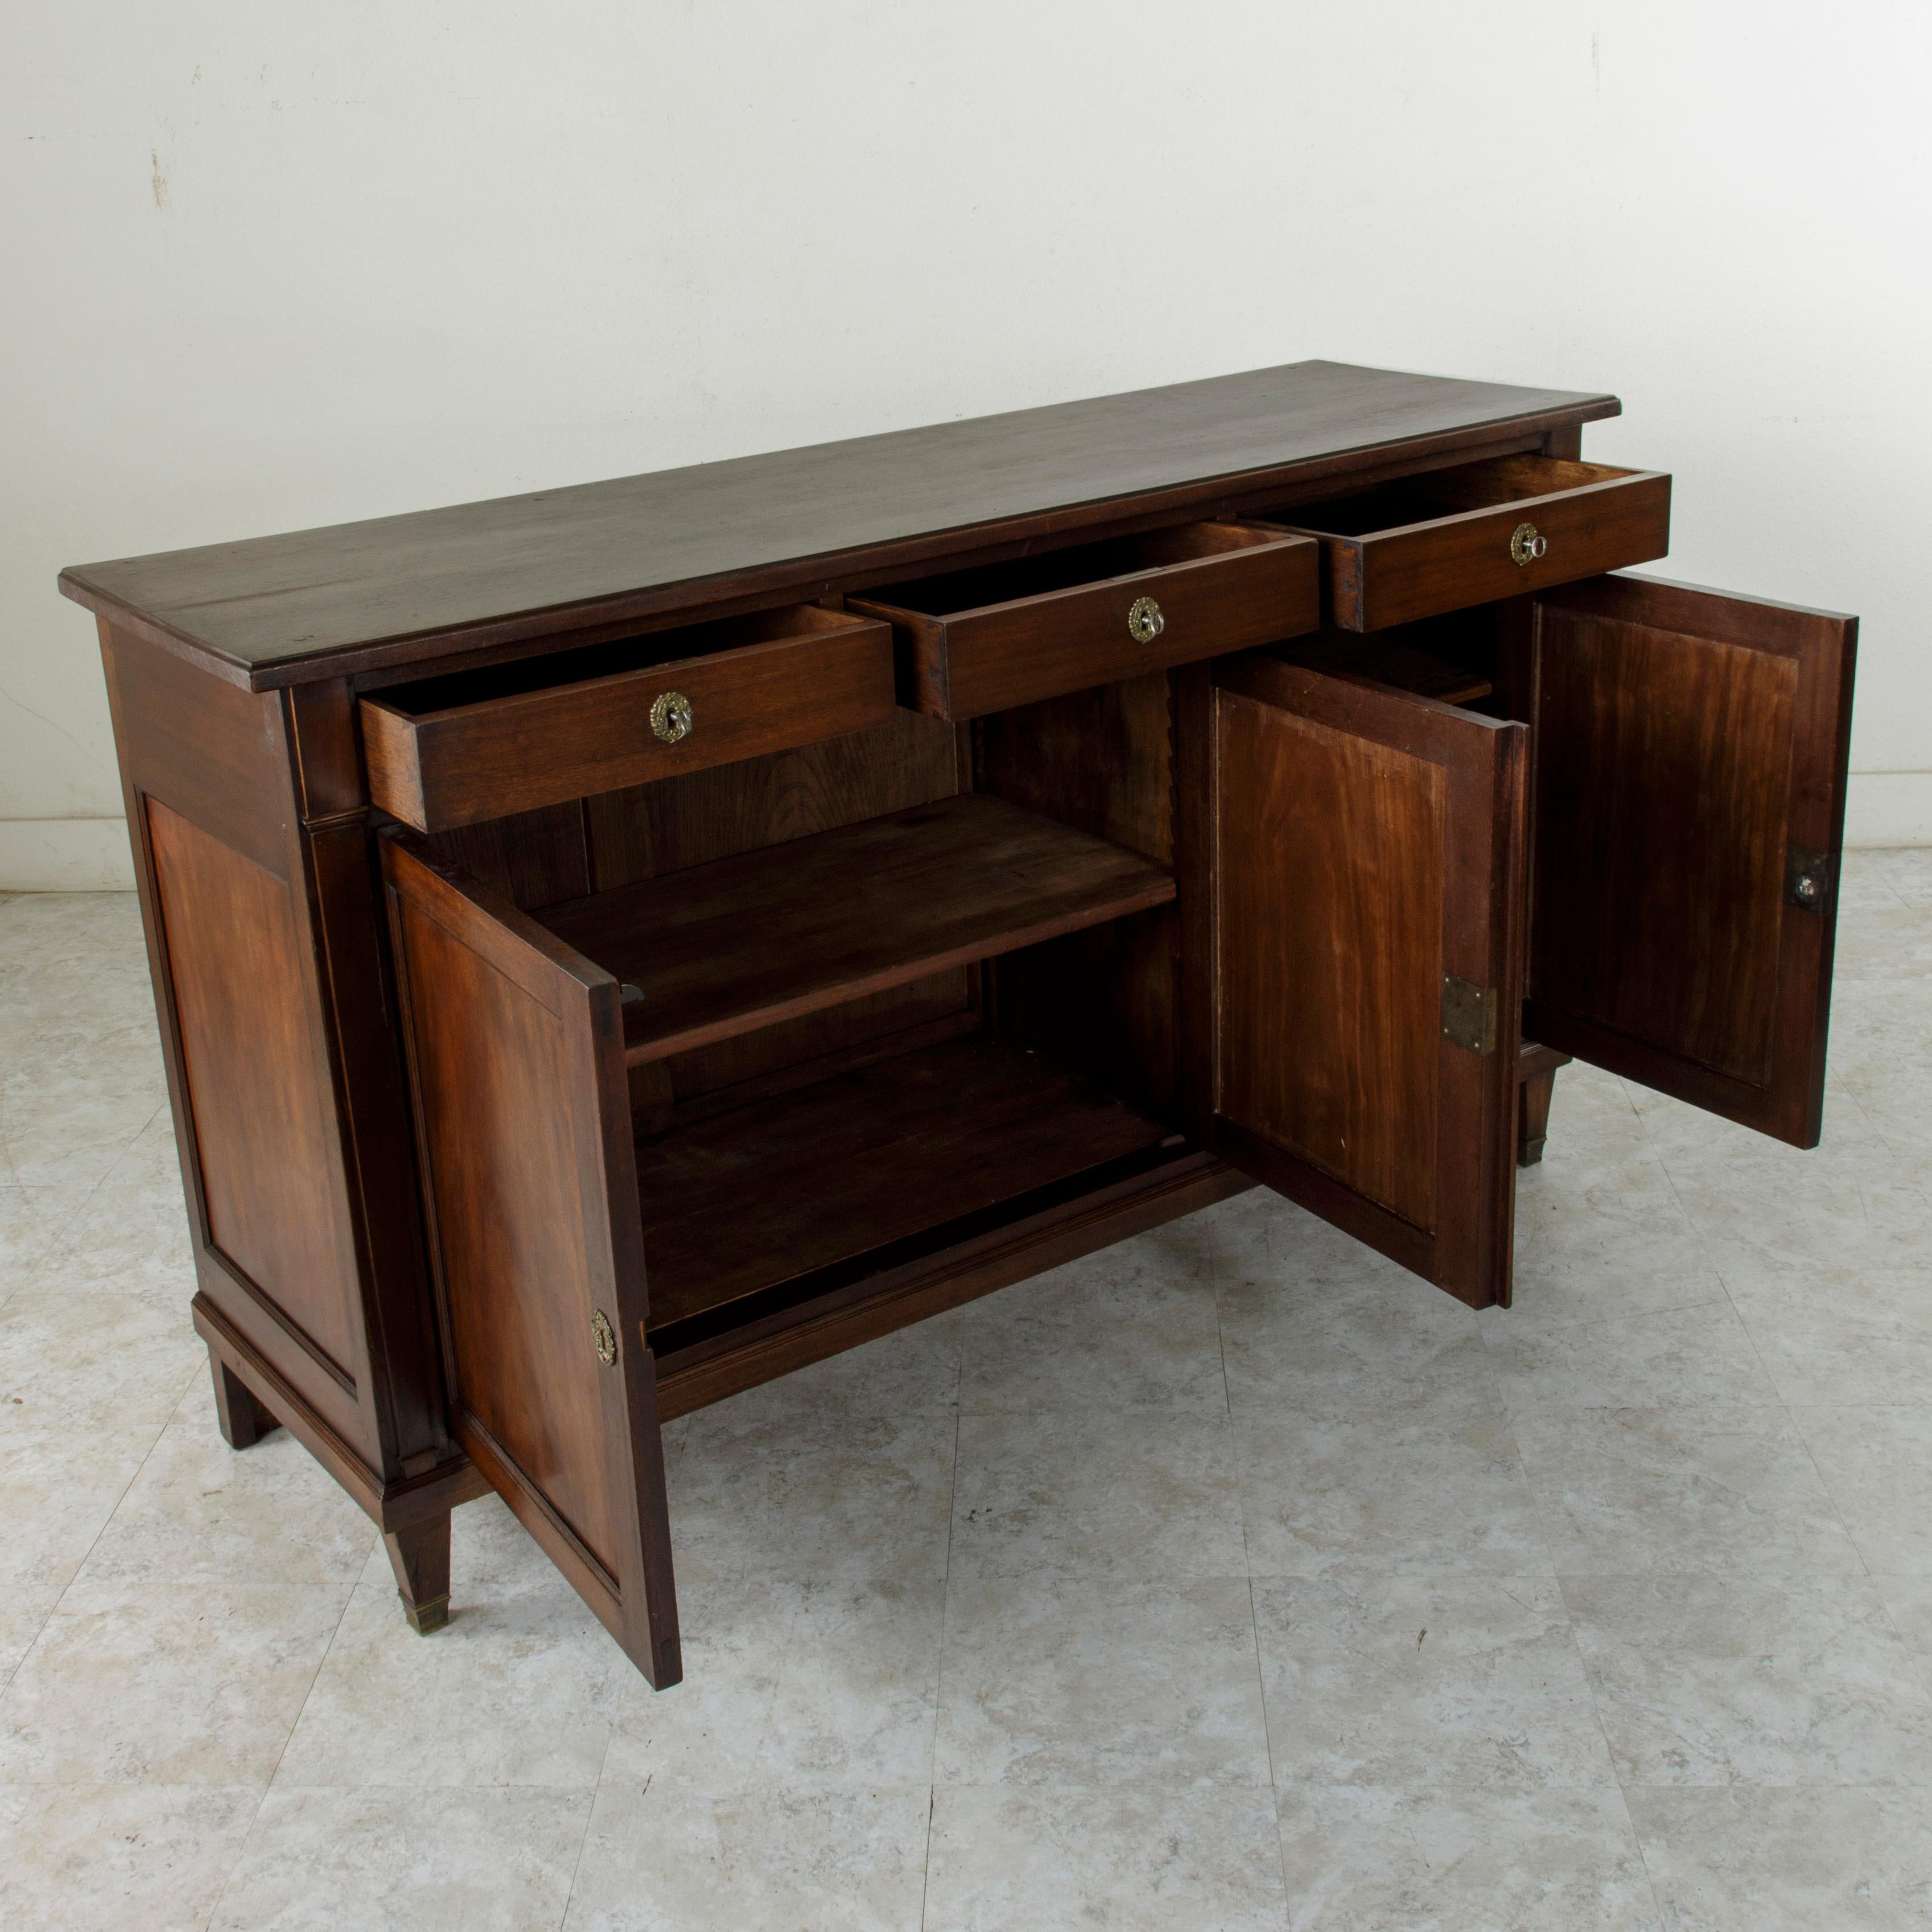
(791, 928)
(1002, 634)
(459, 749)
(1369, 842)
(1686, 742)
(270, 1173)
(276, 610)
(1441, 541)
(763, 1194)
(524, 1138)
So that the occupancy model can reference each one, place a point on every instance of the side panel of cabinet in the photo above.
(269, 1174)
(212, 814)
(516, 1059)
(1366, 885)
(1691, 753)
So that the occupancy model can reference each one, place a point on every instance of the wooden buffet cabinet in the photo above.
(616, 945)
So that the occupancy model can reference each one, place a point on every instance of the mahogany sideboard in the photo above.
(616, 945)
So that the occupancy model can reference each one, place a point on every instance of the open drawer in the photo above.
(1634, 862)
(1003, 635)
(481, 744)
(1474, 532)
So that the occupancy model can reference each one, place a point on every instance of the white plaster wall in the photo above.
(264, 266)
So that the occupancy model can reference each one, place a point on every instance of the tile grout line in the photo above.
(1792, 1422)
(1784, 1407)
(1803, 1441)
(55, 1239)
(1254, 1617)
(589, 1812)
(1643, 1856)
(107, 1522)
(590, 1809)
(945, 1615)
(1596, 1695)
(56, 1235)
(268, 1786)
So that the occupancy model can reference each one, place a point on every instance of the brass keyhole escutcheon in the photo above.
(1527, 544)
(1145, 621)
(605, 1337)
(670, 716)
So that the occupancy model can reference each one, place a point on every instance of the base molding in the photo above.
(1888, 808)
(392, 1507)
(65, 855)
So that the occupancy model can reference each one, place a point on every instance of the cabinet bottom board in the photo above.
(781, 1191)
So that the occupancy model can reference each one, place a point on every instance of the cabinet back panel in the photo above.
(1101, 760)
(652, 829)
(533, 858)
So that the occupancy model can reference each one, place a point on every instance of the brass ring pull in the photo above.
(1145, 621)
(1527, 544)
(603, 1336)
(670, 717)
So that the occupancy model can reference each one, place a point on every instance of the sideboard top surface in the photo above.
(277, 610)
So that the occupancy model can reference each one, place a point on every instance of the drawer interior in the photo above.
(1492, 484)
(987, 585)
(457, 691)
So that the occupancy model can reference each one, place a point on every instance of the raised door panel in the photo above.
(1366, 888)
(516, 1058)
(1690, 752)
(264, 1142)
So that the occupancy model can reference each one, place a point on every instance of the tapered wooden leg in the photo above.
(243, 1420)
(420, 1557)
(1537, 1081)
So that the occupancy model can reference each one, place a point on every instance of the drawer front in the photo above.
(1592, 519)
(438, 769)
(1239, 587)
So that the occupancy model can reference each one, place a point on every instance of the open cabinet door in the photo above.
(1690, 751)
(515, 1048)
(1366, 883)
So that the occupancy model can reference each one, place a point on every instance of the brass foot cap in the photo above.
(427, 1616)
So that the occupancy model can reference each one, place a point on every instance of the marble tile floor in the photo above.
(1230, 1580)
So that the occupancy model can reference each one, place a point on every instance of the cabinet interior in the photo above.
(1453, 659)
(883, 993)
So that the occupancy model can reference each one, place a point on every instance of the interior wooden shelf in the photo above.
(745, 942)
(749, 1200)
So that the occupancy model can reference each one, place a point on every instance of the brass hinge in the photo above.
(1808, 879)
(1469, 1014)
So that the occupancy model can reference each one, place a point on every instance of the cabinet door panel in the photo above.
(523, 1130)
(1367, 887)
(1690, 752)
